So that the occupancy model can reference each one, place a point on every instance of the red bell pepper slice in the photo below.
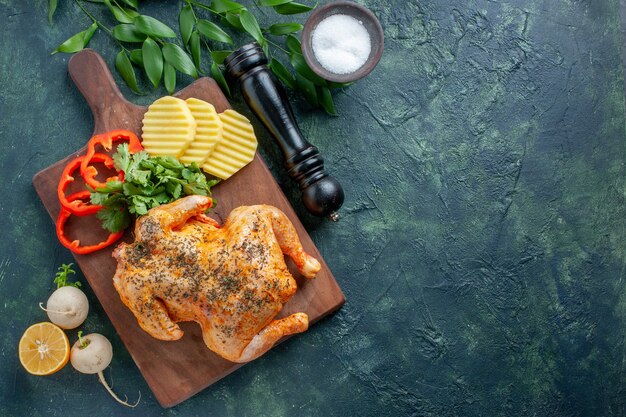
(78, 206)
(74, 245)
(106, 141)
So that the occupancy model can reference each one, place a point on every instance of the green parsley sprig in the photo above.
(205, 30)
(149, 181)
(63, 273)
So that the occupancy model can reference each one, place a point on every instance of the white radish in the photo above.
(67, 307)
(91, 354)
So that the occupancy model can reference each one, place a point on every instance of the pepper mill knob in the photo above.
(322, 194)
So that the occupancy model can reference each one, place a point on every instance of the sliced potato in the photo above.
(235, 150)
(168, 127)
(208, 132)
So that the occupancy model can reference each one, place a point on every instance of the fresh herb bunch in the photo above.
(149, 181)
(62, 274)
(159, 52)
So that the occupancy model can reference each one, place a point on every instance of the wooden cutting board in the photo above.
(174, 370)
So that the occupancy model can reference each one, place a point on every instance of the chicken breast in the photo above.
(232, 280)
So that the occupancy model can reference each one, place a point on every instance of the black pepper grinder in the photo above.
(322, 194)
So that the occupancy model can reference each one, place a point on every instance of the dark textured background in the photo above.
(482, 248)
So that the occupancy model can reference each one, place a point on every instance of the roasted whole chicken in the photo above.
(232, 280)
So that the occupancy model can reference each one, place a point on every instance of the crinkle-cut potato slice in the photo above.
(168, 127)
(208, 132)
(235, 150)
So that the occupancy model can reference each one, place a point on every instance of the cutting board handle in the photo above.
(95, 82)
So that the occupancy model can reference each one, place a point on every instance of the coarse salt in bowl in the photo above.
(342, 41)
(341, 44)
